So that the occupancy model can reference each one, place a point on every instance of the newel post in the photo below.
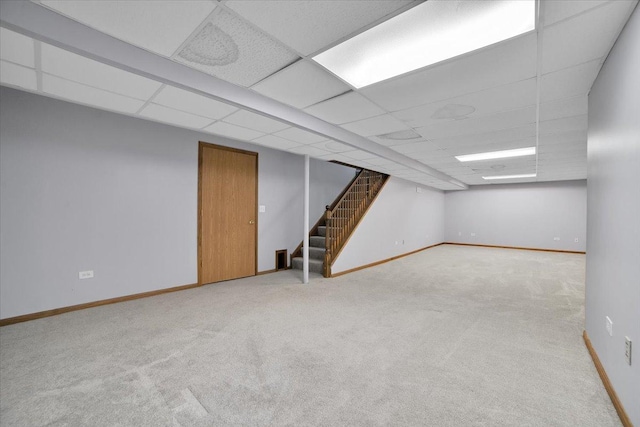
(326, 267)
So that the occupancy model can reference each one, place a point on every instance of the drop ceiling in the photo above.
(243, 70)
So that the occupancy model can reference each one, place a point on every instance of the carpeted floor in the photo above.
(452, 336)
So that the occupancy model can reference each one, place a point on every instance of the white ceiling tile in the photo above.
(552, 177)
(300, 85)
(16, 75)
(362, 164)
(558, 10)
(380, 161)
(506, 135)
(359, 155)
(312, 151)
(559, 138)
(496, 122)
(566, 107)
(193, 103)
(483, 103)
(335, 156)
(275, 142)
(174, 117)
(231, 49)
(562, 166)
(376, 125)
(233, 131)
(393, 167)
(417, 147)
(77, 92)
(570, 82)
(307, 26)
(89, 72)
(400, 137)
(16, 48)
(333, 146)
(569, 151)
(566, 124)
(440, 157)
(585, 37)
(158, 26)
(507, 62)
(345, 108)
(300, 136)
(255, 121)
(567, 147)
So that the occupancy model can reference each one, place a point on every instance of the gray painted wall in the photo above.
(613, 227)
(84, 189)
(522, 215)
(400, 220)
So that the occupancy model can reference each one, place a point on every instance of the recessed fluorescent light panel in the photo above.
(518, 152)
(431, 32)
(526, 175)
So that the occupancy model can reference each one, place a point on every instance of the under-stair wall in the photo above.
(405, 217)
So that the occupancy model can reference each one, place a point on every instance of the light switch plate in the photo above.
(262, 208)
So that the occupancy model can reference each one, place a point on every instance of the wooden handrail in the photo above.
(298, 251)
(343, 216)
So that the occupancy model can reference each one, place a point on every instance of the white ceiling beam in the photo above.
(45, 25)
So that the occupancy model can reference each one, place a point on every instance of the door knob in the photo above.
(251, 221)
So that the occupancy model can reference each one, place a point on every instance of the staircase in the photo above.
(316, 252)
(329, 235)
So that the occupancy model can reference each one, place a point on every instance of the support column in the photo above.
(305, 244)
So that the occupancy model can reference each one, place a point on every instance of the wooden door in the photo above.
(227, 235)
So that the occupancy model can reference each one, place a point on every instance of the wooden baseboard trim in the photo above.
(516, 247)
(260, 273)
(624, 418)
(362, 267)
(61, 310)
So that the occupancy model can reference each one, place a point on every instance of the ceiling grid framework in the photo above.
(509, 95)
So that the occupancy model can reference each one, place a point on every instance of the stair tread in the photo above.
(315, 265)
(311, 260)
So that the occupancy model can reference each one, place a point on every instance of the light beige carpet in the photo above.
(452, 336)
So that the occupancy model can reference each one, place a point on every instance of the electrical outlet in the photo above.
(418, 190)
(609, 326)
(85, 274)
(627, 349)
(262, 208)
(473, 234)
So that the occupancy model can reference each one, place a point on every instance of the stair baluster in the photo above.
(343, 216)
